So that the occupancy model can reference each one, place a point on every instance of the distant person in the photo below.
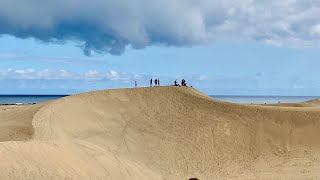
(156, 82)
(176, 83)
(183, 82)
(151, 82)
(135, 84)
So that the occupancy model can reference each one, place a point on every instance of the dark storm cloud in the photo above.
(108, 26)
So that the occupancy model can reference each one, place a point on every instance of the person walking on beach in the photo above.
(135, 84)
(156, 82)
(151, 82)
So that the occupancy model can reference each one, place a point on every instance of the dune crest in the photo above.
(163, 133)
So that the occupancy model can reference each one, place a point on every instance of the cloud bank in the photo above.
(46, 74)
(108, 26)
(30, 81)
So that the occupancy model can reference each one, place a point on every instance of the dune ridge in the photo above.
(159, 133)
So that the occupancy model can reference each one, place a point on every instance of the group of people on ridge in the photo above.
(156, 82)
(183, 83)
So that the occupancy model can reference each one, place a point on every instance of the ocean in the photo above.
(27, 99)
(264, 99)
(30, 99)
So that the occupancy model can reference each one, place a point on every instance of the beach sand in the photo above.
(159, 133)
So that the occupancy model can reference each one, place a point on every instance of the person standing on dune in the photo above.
(176, 83)
(151, 82)
(155, 82)
(158, 82)
(183, 82)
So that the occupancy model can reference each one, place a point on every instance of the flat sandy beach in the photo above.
(159, 133)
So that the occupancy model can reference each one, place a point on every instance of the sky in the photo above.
(230, 47)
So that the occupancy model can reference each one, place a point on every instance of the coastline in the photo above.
(240, 99)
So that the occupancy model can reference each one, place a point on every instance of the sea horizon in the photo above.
(27, 98)
(243, 99)
(263, 99)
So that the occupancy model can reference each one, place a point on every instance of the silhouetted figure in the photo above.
(176, 83)
(156, 82)
(183, 82)
(151, 82)
(135, 84)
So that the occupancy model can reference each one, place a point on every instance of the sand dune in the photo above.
(16, 122)
(158, 133)
(312, 103)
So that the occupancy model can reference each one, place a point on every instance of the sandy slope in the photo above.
(158, 133)
(312, 103)
(16, 122)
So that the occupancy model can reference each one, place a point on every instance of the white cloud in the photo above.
(315, 29)
(30, 74)
(94, 75)
(109, 25)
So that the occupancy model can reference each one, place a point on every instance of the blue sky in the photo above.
(230, 48)
(31, 67)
